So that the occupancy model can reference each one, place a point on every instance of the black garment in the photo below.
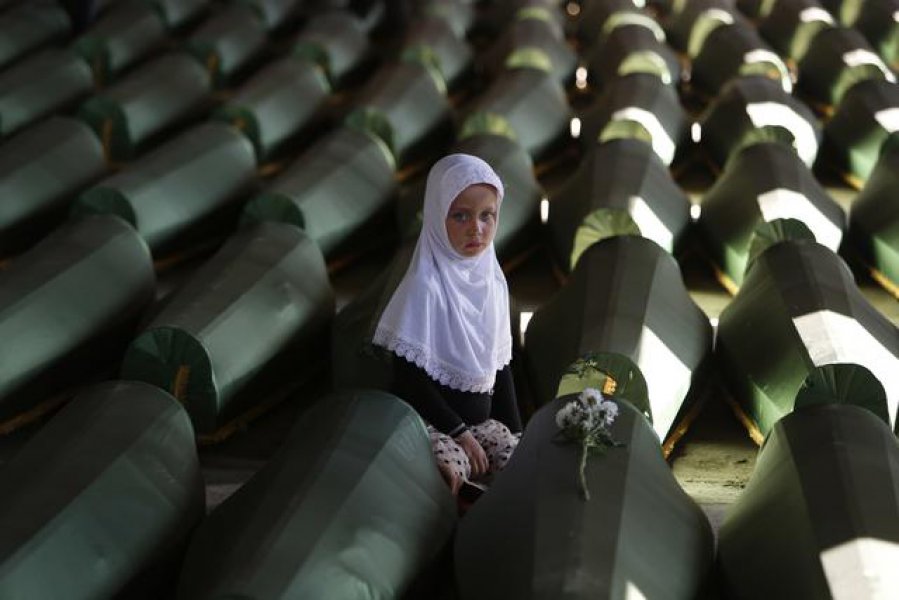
(451, 411)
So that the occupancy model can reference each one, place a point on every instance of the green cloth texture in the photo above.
(653, 98)
(533, 536)
(39, 85)
(41, 170)
(623, 176)
(275, 14)
(727, 125)
(854, 135)
(29, 26)
(68, 307)
(121, 37)
(179, 13)
(874, 218)
(336, 42)
(453, 56)
(632, 48)
(826, 477)
(105, 492)
(798, 299)
(154, 98)
(877, 22)
(334, 188)
(410, 97)
(279, 102)
(532, 42)
(534, 105)
(249, 324)
(724, 57)
(625, 297)
(228, 43)
(732, 207)
(188, 188)
(351, 506)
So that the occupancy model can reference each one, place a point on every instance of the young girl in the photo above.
(448, 324)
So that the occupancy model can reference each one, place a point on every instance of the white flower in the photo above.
(606, 412)
(590, 397)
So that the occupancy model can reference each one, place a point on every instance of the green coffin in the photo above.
(153, 99)
(641, 186)
(790, 27)
(733, 50)
(751, 108)
(250, 322)
(799, 309)
(101, 501)
(29, 26)
(40, 85)
(533, 104)
(461, 15)
(532, 536)
(122, 36)
(877, 22)
(533, 30)
(625, 297)
(31, 202)
(333, 189)
(435, 38)
(67, 308)
(337, 42)
(405, 104)
(866, 116)
(819, 518)
(874, 217)
(179, 13)
(229, 42)
(591, 21)
(352, 506)
(634, 44)
(647, 101)
(181, 191)
(275, 14)
(764, 182)
(280, 101)
(690, 22)
(518, 224)
(837, 59)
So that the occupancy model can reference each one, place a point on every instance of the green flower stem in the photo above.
(585, 447)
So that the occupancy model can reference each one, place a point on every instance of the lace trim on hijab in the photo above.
(437, 369)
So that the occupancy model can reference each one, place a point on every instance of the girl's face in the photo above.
(471, 220)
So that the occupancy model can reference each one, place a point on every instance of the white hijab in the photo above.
(450, 313)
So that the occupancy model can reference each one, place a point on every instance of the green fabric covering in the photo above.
(786, 31)
(179, 13)
(854, 135)
(613, 374)
(826, 477)
(723, 57)
(798, 309)
(29, 26)
(337, 42)
(71, 302)
(645, 99)
(824, 75)
(768, 174)
(874, 215)
(844, 384)
(727, 124)
(594, 16)
(533, 43)
(228, 43)
(332, 190)
(534, 105)
(593, 204)
(250, 321)
(877, 22)
(180, 190)
(153, 98)
(39, 85)
(624, 297)
(532, 536)
(124, 35)
(769, 233)
(452, 54)
(109, 489)
(412, 100)
(31, 203)
(352, 506)
(483, 123)
(275, 14)
(278, 103)
(688, 21)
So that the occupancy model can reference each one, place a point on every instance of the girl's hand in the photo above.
(452, 479)
(476, 455)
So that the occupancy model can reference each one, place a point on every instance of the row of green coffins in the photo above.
(233, 335)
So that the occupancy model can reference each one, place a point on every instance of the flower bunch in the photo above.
(585, 420)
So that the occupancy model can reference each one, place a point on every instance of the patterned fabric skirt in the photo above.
(494, 437)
